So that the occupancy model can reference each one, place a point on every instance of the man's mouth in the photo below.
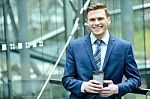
(98, 28)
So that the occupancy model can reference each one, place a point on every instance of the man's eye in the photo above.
(100, 19)
(92, 19)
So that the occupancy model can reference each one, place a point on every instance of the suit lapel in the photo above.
(89, 50)
(110, 46)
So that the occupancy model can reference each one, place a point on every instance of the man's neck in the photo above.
(101, 36)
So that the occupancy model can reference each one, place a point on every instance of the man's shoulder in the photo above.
(80, 39)
(120, 40)
(123, 41)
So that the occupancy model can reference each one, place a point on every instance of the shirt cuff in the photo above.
(117, 89)
(82, 88)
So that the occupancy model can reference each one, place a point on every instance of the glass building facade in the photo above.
(33, 34)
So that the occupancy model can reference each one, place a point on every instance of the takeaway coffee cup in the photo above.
(99, 76)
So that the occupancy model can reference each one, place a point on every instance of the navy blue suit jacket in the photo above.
(119, 61)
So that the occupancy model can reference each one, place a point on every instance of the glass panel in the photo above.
(32, 37)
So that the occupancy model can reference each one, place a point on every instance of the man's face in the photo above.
(98, 22)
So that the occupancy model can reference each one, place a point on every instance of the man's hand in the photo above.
(110, 90)
(92, 86)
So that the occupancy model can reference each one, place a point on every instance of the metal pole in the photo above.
(24, 53)
(127, 26)
(8, 50)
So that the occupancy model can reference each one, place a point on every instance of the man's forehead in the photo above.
(99, 12)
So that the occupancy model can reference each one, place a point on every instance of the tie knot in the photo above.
(98, 42)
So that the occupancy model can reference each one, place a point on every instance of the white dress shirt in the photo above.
(103, 46)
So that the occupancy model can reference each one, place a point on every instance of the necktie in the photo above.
(97, 55)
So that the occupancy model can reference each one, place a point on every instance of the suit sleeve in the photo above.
(69, 80)
(131, 73)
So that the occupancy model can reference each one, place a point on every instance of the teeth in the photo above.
(98, 27)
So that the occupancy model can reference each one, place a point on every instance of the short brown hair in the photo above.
(98, 6)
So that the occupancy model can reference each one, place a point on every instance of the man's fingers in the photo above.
(108, 81)
(94, 81)
(92, 88)
(106, 89)
(105, 92)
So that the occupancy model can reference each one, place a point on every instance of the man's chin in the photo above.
(98, 33)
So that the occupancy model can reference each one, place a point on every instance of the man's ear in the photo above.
(109, 20)
(86, 22)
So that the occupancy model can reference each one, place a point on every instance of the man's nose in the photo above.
(97, 21)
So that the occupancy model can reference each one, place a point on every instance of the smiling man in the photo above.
(100, 51)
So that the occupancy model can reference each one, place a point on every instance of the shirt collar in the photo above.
(105, 38)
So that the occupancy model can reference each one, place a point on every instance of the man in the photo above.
(116, 60)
